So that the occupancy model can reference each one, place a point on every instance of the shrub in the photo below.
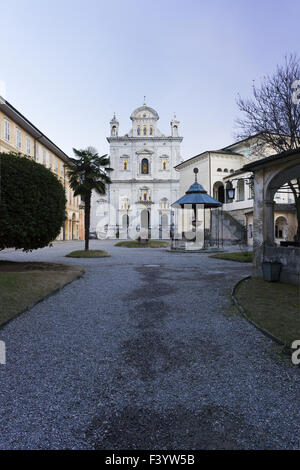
(32, 203)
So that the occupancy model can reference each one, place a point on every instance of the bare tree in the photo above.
(274, 113)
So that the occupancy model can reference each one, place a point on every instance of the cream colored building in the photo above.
(222, 169)
(18, 134)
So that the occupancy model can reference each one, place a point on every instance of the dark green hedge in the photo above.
(32, 203)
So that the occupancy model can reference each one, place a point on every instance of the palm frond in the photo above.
(89, 172)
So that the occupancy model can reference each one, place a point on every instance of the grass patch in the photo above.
(24, 284)
(273, 306)
(241, 256)
(148, 244)
(88, 254)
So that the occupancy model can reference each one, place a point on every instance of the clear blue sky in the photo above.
(69, 64)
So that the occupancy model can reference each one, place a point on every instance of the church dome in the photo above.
(144, 112)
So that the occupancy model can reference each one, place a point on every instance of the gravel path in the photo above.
(143, 352)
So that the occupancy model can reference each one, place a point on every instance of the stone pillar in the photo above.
(263, 222)
(258, 224)
(269, 222)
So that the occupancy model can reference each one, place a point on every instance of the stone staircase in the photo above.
(231, 229)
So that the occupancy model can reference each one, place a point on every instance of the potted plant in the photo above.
(271, 270)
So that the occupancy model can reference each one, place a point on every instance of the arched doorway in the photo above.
(218, 191)
(281, 226)
(73, 228)
(145, 224)
(125, 221)
(280, 179)
(164, 226)
(66, 230)
(274, 173)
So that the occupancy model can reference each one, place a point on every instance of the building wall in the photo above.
(187, 175)
(266, 179)
(28, 145)
(216, 168)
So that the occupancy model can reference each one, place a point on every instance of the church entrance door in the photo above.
(145, 224)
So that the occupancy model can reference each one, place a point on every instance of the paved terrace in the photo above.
(144, 352)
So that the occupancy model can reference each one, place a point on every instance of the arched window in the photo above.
(164, 203)
(151, 130)
(125, 165)
(138, 131)
(231, 171)
(219, 169)
(145, 130)
(164, 164)
(281, 228)
(218, 191)
(225, 170)
(145, 166)
(125, 203)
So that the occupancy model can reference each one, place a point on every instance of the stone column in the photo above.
(258, 224)
(263, 222)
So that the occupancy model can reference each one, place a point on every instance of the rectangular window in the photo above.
(37, 150)
(50, 160)
(251, 190)
(44, 157)
(28, 145)
(56, 164)
(6, 130)
(18, 138)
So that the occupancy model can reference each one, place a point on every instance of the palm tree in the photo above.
(89, 172)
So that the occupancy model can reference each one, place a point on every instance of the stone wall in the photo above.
(289, 257)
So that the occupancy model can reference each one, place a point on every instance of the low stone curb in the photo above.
(53, 292)
(286, 349)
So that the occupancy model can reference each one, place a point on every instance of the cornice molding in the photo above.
(197, 158)
(145, 152)
(133, 180)
(144, 138)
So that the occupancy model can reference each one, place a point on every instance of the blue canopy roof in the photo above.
(197, 195)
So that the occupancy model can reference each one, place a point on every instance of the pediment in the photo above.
(144, 152)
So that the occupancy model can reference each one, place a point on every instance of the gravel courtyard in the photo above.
(144, 352)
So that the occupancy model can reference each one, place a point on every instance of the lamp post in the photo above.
(230, 193)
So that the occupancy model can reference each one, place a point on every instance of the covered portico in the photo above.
(271, 174)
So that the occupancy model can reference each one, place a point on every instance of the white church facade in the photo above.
(144, 180)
